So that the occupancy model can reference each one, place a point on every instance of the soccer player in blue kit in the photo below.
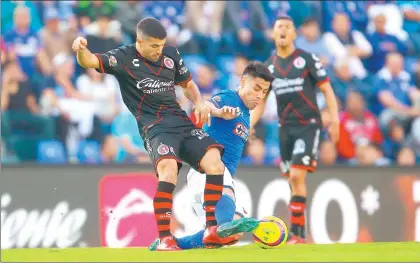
(229, 126)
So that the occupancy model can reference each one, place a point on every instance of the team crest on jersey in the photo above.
(112, 61)
(163, 149)
(299, 62)
(168, 62)
(241, 131)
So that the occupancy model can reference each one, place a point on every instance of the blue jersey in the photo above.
(232, 134)
(26, 45)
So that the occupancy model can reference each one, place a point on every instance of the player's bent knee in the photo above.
(212, 162)
(297, 176)
(229, 192)
(167, 170)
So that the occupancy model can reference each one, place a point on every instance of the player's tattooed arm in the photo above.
(84, 57)
(201, 110)
(331, 101)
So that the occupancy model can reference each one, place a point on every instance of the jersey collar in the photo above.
(137, 53)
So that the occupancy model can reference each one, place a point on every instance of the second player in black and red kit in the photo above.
(147, 72)
(297, 75)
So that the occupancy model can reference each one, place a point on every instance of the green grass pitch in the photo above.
(396, 252)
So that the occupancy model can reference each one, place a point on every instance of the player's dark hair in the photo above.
(151, 27)
(257, 69)
(284, 17)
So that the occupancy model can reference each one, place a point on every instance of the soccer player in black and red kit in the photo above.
(297, 75)
(148, 72)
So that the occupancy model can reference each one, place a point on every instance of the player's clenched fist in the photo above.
(79, 44)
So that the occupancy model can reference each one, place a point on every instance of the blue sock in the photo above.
(190, 242)
(225, 210)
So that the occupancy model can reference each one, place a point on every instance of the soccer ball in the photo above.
(272, 232)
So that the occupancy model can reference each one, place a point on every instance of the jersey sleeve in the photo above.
(110, 62)
(316, 70)
(182, 73)
(220, 99)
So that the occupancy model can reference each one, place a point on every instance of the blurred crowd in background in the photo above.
(54, 111)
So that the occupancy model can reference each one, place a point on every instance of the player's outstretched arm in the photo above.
(84, 57)
(226, 112)
(331, 101)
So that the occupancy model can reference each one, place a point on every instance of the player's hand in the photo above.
(414, 112)
(202, 113)
(79, 44)
(334, 131)
(229, 113)
(252, 135)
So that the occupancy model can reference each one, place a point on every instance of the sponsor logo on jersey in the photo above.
(168, 62)
(149, 85)
(299, 62)
(321, 73)
(183, 71)
(163, 149)
(112, 61)
(136, 62)
(282, 86)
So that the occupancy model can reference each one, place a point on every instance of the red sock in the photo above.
(212, 193)
(297, 215)
(162, 204)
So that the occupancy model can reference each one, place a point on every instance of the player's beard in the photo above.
(284, 45)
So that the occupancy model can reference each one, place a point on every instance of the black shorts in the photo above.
(299, 147)
(187, 145)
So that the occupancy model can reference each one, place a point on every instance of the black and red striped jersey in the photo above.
(148, 88)
(295, 83)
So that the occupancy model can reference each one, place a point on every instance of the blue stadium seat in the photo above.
(193, 61)
(51, 152)
(225, 63)
(89, 152)
(410, 63)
